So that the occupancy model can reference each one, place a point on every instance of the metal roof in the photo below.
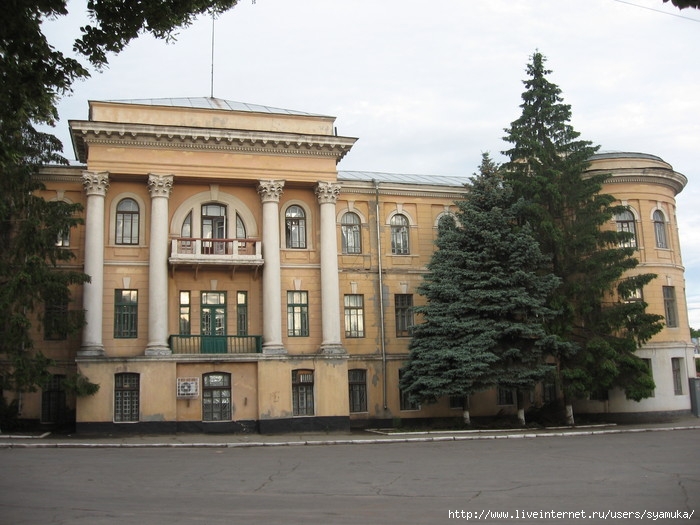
(212, 103)
(402, 178)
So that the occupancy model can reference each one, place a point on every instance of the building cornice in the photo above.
(661, 176)
(87, 133)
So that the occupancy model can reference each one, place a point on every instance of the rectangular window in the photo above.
(354, 315)
(670, 309)
(357, 383)
(53, 400)
(457, 402)
(216, 397)
(126, 397)
(303, 392)
(677, 370)
(185, 313)
(125, 314)
(56, 322)
(403, 308)
(298, 314)
(405, 401)
(242, 313)
(505, 396)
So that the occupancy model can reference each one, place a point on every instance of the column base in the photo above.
(91, 351)
(273, 349)
(157, 349)
(333, 349)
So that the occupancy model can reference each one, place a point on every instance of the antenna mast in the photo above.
(211, 92)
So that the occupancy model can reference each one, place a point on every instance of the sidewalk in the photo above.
(360, 437)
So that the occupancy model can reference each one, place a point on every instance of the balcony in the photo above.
(232, 252)
(216, 344)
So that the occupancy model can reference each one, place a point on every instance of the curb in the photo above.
(425, 439)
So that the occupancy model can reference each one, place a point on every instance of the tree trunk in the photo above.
(520, 396)
(465, 411)
(569, 413)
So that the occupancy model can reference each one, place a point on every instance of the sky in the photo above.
(428, 86)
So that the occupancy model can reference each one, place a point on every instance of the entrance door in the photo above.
(213, 327)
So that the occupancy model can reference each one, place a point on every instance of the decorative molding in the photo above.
(270, 190)
(327, 192)
(160, 185)
(86, 133)
(96, 183)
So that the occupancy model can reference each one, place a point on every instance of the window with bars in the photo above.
(351, 233)
(357, 384)
(399, 235)
(625, 223)
(53, 400)
(216, 397)
(660, 229)
(670, 307)
(297, 314)
(354, 315)
(303, 392)
(295, 227)
(126, 397)
(125, 314)
(403, 311)
(127, 223)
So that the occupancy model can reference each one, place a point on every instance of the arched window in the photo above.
(127, 225)
(240, 228)
(399, 235)
(295, 227)
(186, 230)
(625, 223)
(660, 229)
(350, 232)
(216, 397)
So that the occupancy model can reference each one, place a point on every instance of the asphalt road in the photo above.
(431, 483)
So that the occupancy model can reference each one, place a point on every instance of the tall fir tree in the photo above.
(482, 323)
(597, 329)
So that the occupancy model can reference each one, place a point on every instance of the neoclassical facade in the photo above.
(240, 282)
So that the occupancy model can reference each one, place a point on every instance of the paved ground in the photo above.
(328, 438)
(390, 479)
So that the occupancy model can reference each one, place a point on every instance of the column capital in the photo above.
(96, 183)
(270, 190)
(160, 185)
(327, 192)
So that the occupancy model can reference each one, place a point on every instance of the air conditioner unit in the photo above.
(187, 387)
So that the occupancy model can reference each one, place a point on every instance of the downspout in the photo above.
(381, 293)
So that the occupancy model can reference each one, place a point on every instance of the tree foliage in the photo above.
(598, 330)
(482, 323)
(33, 77)
(682, 4)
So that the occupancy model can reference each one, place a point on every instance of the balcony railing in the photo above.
(216, 344)
(189, 250)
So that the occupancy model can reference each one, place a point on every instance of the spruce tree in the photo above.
(482, 323)
(598, 331)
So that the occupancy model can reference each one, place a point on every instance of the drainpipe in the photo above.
(381, 293)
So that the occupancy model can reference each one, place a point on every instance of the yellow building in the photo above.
(240, 282)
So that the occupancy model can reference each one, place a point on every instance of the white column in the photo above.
(270, 191)
(95, 185)
(159, 186)
(327, 194)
